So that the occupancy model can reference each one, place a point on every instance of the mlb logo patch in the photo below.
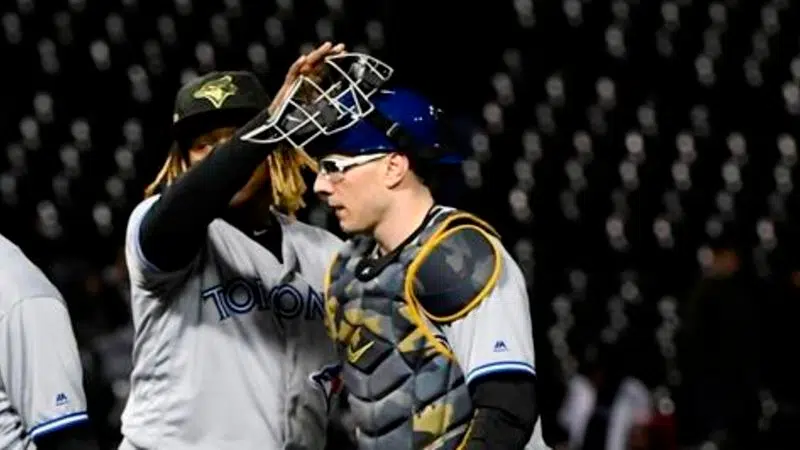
(61, 399)
(328, 380)
(500, 346)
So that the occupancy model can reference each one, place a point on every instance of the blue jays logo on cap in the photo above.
(328, 380)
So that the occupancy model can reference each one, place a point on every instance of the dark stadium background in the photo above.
(622, 148)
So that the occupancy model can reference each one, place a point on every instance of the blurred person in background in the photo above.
(605, 406)
(100, 313)
(717, 353)
(550, 390)
(108, 355)
(225, 281)
(42, 398)
(780, 329)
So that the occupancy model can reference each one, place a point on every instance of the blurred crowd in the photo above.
(638, 158)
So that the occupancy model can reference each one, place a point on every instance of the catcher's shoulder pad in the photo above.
(456, 268)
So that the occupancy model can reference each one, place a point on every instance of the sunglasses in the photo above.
(336, 165)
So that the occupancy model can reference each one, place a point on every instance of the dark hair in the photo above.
(423, 168)
(445, 181)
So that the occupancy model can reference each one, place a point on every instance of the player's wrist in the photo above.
(493, 429)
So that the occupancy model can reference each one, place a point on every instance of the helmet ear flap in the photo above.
(452, 142)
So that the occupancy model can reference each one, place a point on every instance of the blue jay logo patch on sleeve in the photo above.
(328, 380)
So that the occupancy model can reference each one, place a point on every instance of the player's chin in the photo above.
(350, 227)
(346, 226)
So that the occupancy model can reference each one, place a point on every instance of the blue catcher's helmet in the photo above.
(402, 121)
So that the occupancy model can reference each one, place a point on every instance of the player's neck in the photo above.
(402, 219)
(254, 214)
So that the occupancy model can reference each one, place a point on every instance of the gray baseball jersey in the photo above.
(224, 348)
(496, 336)
(41, 378)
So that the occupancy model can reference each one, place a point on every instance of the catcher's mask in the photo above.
(326, 104)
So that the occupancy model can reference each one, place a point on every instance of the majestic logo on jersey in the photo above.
(217, 91)
(61, 399)
(287, 301)
(329, 381)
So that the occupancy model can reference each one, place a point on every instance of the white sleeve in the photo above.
(41, 367)
(496, 336)
(144, 274)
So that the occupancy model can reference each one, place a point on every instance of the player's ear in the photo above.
(396, 169)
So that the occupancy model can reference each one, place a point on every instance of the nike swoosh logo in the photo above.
(355, 355)
(259, 232)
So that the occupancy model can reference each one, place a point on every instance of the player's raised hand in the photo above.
(313, 61)
(306, 65)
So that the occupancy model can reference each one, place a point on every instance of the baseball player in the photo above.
(226, 284)
(42, 402)
(428, 310)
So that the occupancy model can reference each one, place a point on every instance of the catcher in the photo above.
(428, 310)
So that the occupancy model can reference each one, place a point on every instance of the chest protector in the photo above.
(406, 389)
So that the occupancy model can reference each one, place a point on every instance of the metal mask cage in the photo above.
(365, 73)
(325, 104)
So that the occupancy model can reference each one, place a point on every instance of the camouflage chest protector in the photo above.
(406, 389)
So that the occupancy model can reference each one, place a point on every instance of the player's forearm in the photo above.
(174, 228)
(76, 437)
(505, 414)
